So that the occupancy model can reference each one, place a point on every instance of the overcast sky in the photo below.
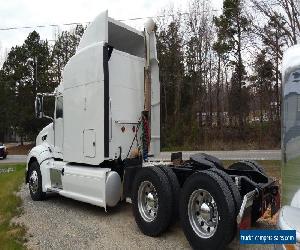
(16, 13)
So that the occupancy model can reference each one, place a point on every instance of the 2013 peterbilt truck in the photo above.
(104, 142)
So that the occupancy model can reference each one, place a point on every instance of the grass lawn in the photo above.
(290, 179)
(11, 236)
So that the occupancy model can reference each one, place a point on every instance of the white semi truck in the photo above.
(106, 125)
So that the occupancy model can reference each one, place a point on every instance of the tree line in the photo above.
(34, 67)
(219, 72)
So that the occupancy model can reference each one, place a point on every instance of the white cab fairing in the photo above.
(90, 137)
(83, 106)
(127, 100)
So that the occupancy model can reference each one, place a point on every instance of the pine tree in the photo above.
(24, 74)
(232, 25)
(170, 55)
(63, 49)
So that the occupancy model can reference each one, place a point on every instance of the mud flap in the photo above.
(275, 205)
(244, 217)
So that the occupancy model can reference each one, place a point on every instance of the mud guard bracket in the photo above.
(244, 217)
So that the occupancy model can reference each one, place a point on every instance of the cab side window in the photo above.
(59, 107)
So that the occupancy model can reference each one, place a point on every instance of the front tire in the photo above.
(207, 211)
(152, 201)
(35, 182)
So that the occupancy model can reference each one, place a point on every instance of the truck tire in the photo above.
(257, 167)
(247, 165)
(235, 193)
(207, 211)
(35, 182)
(232, 188)
(175, 188)
(152, 201)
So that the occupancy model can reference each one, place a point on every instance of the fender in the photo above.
(40, 153)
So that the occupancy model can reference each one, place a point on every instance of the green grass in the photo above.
(290, 179)
(11, 236)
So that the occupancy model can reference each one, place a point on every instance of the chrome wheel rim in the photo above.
(147, 201)
(34, 181)
(203, 213)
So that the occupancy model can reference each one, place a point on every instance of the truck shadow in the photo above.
(89, 208)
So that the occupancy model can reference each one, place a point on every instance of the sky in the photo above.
(19, 13)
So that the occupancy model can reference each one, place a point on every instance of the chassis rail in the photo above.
(257, 190)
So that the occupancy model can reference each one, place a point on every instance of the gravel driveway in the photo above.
(62, 223)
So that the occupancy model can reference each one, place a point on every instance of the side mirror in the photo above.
(38, 107)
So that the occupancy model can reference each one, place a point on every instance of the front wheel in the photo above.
(35, 182)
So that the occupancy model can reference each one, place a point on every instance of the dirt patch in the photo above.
(19, 149)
